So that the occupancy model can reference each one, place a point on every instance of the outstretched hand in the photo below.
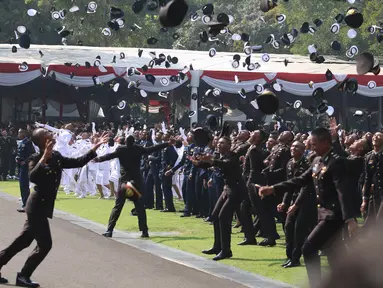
(104, 138)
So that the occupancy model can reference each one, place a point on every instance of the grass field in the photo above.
(195, 235)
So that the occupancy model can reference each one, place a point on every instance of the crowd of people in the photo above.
(315, 184)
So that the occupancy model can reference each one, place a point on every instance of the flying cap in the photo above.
(173, 13)
(268, 102)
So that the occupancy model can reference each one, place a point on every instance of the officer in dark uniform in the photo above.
(371, 196)
(198, 183)
(230, 198)
(252, 173)
(275, 172)
(13, 152)
(130, 156)
(299, 223)
(24, 151)
(153, 179)
(45, 169)
(145, 142)
(335, 204)
(188, 183)
(239, 147)
(169, 157)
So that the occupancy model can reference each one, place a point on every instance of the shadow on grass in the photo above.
(161, 239)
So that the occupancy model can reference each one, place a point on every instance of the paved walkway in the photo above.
(82, 258)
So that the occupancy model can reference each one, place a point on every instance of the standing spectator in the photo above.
(24, 151)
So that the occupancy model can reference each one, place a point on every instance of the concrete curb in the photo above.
(171, 254)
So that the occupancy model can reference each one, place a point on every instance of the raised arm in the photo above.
(46, 126)
(148, 150)
(68, 163)
(116, 154)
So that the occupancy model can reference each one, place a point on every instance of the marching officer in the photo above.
(275, 172)
(335, 204)
(301, 221)
(24, 151)
(371, 196)
(188, 182)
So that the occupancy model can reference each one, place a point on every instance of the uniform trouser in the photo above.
(222, 216)
(266, 220)
(184, 188)
(246, 218)
(297, 228)
(116, 212)
(153, 180)
(372, 211)
(205, 198)
(198, 194)
(12, 165)
(325, 233)
(168, 193)
(36, 227)
(24, 183)
(190, 195)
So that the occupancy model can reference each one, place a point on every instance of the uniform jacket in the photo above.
(330, 182)
(47, 180)
(24, 151)
(169, 158)
(275, 172)
(185, 161)
(253, 165)
(130, 160)
(371, 162)
(233, 181)
(294, 169)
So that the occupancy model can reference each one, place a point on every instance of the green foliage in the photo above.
(245, 12)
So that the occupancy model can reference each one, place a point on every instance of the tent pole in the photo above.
(194, 84)
(345, 110)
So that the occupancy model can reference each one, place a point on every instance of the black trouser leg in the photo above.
(247, 225)
(168, 194)
(24, 184)
(323, 234)
(12, 165)
(39, 228)
(141, 215)
(149, 195)
(198, 194)
(116, 211)
(23, 241)
(184, 188)
(267, 222)
(215, 218)
(289, 232)
(223, 214)
(159, 195)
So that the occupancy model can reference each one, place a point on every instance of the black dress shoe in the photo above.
(207, 219)
(292, 264)
(108, 234)
(248, 242)
(185, 215)
(21, 210)
(223, 255)
(286, 262)
(159, 208)
(3, 280)
(145, 234)
(23, 281)
(267, 242)
(212, 251)
(199, 216)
